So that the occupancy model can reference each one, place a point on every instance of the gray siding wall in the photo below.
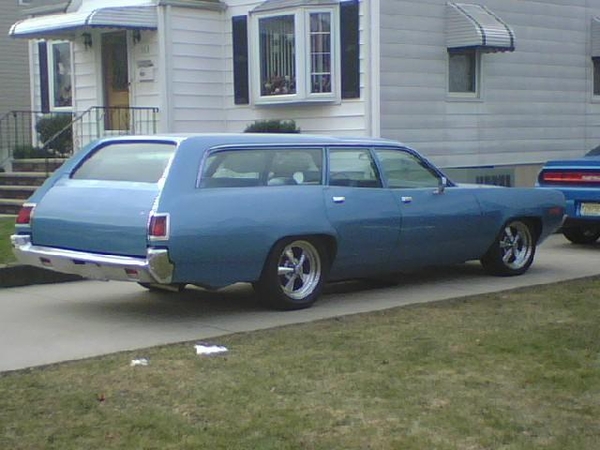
(536, 103)
(14, 70)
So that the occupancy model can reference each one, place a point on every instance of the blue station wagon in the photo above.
(283, 212)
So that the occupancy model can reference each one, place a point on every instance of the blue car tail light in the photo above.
(158, 227)
(25, 214)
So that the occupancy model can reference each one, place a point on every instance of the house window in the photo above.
(463, 72)
(59, 67)
(596, 64)
(301, 54)
(297, 56)
(277, 55)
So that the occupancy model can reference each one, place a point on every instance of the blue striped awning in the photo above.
(470, 25)
(63, 25)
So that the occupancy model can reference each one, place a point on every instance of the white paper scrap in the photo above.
(208, 349)
(140, 362)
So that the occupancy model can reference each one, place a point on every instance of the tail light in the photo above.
(25, 214)
(158, 226)
(571, 177)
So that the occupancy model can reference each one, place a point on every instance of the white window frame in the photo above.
(51, 75)
(466, 95)
(303, 92)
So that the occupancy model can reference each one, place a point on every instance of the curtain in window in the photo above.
(462, 71)
(61, 55)
(277, 55)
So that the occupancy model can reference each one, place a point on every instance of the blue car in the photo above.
(579, 181)
(284, 212)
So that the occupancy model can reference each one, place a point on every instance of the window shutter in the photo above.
(349, 47)
(44, 81)
(239, 25)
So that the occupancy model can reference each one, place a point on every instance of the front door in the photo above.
(115, 76)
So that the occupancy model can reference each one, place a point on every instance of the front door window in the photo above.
(116, 80)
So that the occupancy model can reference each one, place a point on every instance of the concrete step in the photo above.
(10, 206)
(41, 165)
(17, 192)
(22, 178)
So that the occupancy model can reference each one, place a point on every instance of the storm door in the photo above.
(115, 77)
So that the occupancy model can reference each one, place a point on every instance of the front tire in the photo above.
(513, 250)
(294, 274)
(582, 235)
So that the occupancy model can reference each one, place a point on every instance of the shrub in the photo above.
(48, 127)
(28, 151)
(272, 126)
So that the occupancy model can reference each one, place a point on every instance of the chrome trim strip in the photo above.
(155, 268)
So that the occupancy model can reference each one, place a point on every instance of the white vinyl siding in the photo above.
(535, 102)
(196, 70)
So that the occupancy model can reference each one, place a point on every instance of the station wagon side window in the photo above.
(143, 162)
(402, 169)
(352, 167)
(262, 167)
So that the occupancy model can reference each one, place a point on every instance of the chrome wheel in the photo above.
(513, 249)
(299, 269)
(294, 273)
(516, 245)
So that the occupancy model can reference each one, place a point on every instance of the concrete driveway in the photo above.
(52, 323)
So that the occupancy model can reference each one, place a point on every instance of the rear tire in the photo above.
(294, 274)
(582, 235)
(513, 250)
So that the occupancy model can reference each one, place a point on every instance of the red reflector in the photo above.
(556, 211)
(132, 273)
(24, 217)
(159, 226)
(571, 177)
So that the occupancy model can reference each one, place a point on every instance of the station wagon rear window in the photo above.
(272, 167)
(143, 162)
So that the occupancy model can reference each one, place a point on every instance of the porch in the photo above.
(33, 144)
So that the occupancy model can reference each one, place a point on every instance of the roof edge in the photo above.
(210, 5)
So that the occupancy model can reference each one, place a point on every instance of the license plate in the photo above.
(590, 209)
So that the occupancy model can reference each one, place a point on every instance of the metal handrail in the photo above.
(18, 130)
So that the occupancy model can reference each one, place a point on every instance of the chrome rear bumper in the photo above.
(155, 268)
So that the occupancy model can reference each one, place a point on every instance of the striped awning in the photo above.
(469, 25)
(67, 24)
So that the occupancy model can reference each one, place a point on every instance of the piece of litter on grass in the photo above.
(208, 349)
(140, 362)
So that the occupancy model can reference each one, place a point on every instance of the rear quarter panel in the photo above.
(500, 205)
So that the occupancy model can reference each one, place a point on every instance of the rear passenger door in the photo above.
(365, 216)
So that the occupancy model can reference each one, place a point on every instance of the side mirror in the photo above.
(443, 182)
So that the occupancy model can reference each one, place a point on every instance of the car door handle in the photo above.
(339, 199)
(406, 199)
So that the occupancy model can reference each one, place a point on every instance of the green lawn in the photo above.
(7, 227)
(512, 370)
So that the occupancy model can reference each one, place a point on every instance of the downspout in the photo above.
(165, 56)
(373, 70)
